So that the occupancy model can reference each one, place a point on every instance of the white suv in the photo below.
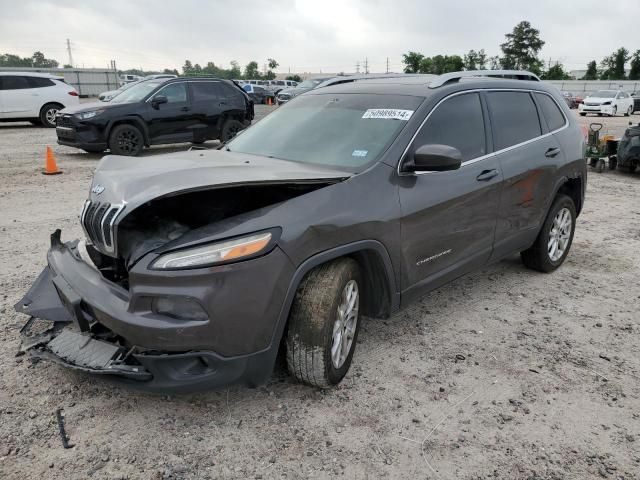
(607, 102)
(35, 97)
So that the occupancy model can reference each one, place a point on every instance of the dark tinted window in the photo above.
(229, 90)
(39, 82)
(514, 118)
(175, 93)
(205, 91)
(550, 111)
(14, 82)
(457, 122)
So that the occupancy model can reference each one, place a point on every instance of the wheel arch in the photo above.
(381, 297)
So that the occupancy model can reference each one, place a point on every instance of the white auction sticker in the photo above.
(388, 113)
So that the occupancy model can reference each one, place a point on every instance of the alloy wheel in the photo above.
(50, 115)
(128, 141)
(560, 234)
(344, 328)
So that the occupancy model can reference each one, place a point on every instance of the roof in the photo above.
(32, 74)
(427, 85)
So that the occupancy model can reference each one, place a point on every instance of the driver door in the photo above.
(173, 121)
(449, 218)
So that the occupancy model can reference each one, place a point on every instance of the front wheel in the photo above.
(324, 323)
(126, 139)
(554, 240)
(614, 112)
(629, 111)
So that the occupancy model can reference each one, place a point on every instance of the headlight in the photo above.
(213, 253)
(88, 115)
(606, 103)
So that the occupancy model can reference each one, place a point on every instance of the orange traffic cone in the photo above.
(269, 101)
(50, 167)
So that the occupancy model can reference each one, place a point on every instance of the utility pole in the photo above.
(366, 66)
(357, 67)
(69, 52)
(387, 65)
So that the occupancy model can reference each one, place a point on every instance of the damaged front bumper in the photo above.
(84, 322)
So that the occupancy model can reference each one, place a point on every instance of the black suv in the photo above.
(350, 201)
(157, 111)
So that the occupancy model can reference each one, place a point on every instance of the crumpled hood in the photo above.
(135, 181)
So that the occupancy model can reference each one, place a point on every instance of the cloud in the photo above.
(306, 35)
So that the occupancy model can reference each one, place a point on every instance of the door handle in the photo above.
(185, 109)
(552, 152)
(487, 175)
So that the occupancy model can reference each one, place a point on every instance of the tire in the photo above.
(615, 111)
(600, 166)
(583, 114)
(48, 114)
(316, 328)
(629, 111)
(613, 162)
(230, 129)
(538, 256)
(126, 139)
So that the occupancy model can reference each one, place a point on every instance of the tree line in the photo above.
(520, 51)
(37, 60)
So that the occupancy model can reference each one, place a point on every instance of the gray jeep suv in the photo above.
(351, 201)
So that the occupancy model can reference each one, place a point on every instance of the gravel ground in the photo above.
(505, 373)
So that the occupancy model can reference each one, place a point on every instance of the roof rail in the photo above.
(455, 76)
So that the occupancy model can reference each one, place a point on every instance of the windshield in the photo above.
(137, 92)
(311, 83)
(344, 131)
(604, 94)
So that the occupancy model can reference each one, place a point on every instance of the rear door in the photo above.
(19, 100)
(529, 155)
(172, 121)
(449, 218)
(208, 104)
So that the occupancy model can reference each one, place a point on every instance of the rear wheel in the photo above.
(48, 114)
(126, 139)
(554, 240)
(324, 323)
(629, 111)
(230, 129)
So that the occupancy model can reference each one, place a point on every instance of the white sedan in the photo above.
(607, 102)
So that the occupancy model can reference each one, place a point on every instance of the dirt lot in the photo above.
(505, 374)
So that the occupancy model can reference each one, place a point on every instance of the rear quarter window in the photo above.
(39, 82)
(550, 111)
(514, 118)
(205, 91)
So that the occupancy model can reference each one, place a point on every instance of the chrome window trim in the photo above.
(488, 155)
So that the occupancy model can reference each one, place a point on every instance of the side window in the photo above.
(457, 122)
(39, 82)
(229, 90)
(550, 111)
(175, 93)
(514, 118)
(14, 82)
(247, 88)
(205, 91)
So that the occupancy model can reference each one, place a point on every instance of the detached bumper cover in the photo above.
(93, 326)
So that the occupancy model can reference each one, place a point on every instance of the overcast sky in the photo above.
(307, 35)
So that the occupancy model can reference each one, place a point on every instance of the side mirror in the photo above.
(435, 158)
(158, 100)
